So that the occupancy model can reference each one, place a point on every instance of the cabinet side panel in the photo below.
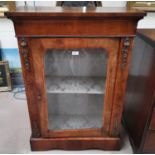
(149, 142)
(140, 89)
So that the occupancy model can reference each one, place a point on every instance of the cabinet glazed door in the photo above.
(75, 80)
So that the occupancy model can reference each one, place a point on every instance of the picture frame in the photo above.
(6, 6)
(5, 79)
(148, 6)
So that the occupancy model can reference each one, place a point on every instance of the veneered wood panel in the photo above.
(75, 27)
(68, 12)
(120, 85)
(43, 144)
(68, 21)
(30, 88)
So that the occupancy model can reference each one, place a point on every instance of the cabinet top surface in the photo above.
(74, 12)
(148, 35)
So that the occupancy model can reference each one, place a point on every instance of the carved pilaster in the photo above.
(124, 53)
(25, 53)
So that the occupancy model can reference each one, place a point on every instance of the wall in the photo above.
(8, 42)
(148, 21)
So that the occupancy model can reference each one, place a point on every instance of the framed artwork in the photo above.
(5, 80)
(148, 6)
(6, 6)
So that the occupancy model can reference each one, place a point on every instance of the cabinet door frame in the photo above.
(39, 46)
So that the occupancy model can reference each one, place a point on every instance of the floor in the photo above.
(15, 128)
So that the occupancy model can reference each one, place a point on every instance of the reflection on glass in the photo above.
(75, 85)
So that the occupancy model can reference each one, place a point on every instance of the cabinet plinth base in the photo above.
(104, 143)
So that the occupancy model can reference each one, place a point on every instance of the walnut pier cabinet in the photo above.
(75, 66)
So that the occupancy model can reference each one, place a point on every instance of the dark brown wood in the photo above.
(120, 85)
(39, 29)
(108, 28)
(74, 143)
(30, 89)
(57, 12)
(148, 35)
(59, 21)
(149, 142)
(139, 117)
(152, 123)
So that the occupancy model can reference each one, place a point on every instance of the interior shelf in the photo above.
(81, 85)
(62, 122)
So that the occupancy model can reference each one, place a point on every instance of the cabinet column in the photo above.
(124, 57)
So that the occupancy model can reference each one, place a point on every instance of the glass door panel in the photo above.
(75, 87)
